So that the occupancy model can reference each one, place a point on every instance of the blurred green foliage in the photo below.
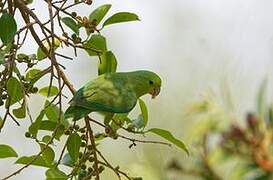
(229, 149)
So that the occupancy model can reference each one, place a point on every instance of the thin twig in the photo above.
(92, 140)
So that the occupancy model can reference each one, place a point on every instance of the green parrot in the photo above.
(112, 93)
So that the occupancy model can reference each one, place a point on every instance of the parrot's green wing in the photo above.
(106, 94)
(113, 93)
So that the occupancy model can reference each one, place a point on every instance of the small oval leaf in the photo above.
(99, 13)
(46, 139)
(69, 22)
(23, 57)
(49, 91)
(7, 151)
(121, 17)
(39, 161)
(51, 126)
(53, 113)
(34, 127)
(95, 42)
(168, 136)
(73, 146)
(144, 111)
(15, 90)
(48, 154)
(107, 63)
(55, 174)
(31, 74)
(34, 75)
(20, 113)
(8, 28)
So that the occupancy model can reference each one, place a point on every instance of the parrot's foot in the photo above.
(112, 133)
(108, 118)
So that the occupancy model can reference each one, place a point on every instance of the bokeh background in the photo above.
(221, 48)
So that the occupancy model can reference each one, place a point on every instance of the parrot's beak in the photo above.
(155, 92)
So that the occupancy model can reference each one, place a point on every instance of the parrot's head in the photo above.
(150, 83)
(155, 85)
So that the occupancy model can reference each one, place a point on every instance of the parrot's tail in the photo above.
(76, 113)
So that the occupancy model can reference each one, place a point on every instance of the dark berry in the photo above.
(82, 130)
(27, 134)
(83, 137)
(34, 90)
(101, 168)
(66, 132)
(74, 14)
(76, 127)
(83, 144)
(83, 166)
(89, 147)
(90, 169)
(74, 36)
(4, 96)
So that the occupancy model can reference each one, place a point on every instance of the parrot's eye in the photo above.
(151, 82)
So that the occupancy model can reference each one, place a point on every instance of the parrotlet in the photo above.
(112, 93)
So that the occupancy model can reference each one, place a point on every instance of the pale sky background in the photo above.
(194, 46)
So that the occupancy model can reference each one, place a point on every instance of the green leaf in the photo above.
(55, 174)
(100, 136)
(20, 112)
(95, 42)
(8, 28)
(15, 90)
(34, 75)
(67, 160)
(168, 136)
(99, 13)
(121, 17)
(69, 22)
(31, 74)
(261, 99)
(7, 151)
(73, 146)
(52, 113)
(40, 53)
(50, 126)
(48, 154)
(46, 139)
(2, 57)
(107, 63)
(144, 111)
(47, 91)
(39, 161)
(34, 127)
(23, 57)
